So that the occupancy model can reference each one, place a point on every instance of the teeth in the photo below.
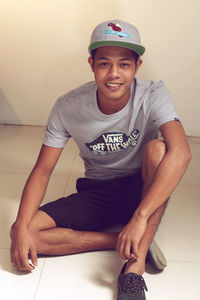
(112, 84)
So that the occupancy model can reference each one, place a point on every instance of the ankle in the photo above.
(135, 266)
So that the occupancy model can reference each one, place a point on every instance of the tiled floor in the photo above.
(92, 276)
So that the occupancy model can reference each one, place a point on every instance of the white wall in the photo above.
(43, 51)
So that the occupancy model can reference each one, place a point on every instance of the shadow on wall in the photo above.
(7, 113)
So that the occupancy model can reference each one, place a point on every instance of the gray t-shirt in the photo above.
(110, 145)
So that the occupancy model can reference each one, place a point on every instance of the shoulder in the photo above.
(150, 86)
(75, 100)
(84, 91)
(153, 93)
(157, 102)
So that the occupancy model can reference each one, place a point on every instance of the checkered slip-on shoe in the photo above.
(131, 286)
(156, 257)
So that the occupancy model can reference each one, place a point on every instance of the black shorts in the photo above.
(97, 204)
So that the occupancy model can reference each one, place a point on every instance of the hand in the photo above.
(129, 238)
(22, 245)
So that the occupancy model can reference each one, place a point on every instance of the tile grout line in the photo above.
(38, 284)
(184, 261)
(28, 173)
(183, 183)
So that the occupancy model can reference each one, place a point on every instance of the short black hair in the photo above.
(135, 55)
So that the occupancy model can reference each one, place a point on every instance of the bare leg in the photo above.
(52, 240)
(153, 155)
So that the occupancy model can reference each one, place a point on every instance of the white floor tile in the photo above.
(178, 234)
(85, 276)
(11, 186)
(179, 281)
(91, 276)
(17, 285)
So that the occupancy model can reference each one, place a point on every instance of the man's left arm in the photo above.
(168, 175)
(171, 169)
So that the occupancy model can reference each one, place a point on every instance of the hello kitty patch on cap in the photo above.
(116, 33)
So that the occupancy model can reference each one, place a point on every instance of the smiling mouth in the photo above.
(113, 85)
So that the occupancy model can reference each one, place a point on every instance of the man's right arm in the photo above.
(33, 194)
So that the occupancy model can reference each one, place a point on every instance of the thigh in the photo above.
(41, 221)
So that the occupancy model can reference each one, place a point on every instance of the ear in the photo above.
(90, 61)
(139, 62)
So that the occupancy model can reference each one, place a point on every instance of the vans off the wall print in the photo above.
(113, 142)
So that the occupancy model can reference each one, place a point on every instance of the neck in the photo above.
(111, 106)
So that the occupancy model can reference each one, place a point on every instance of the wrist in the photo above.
(20, 224)
(17, 228)
(141, 214)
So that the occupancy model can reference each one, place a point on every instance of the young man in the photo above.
(129, 173)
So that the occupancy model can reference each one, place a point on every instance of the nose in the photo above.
(114, 71)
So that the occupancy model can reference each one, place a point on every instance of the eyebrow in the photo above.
(121, 59)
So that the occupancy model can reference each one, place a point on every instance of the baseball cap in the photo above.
(116, 33)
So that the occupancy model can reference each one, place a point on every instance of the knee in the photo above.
(154, 152)
(34, 226)
(36, 238)
(34, 233)
(40, 223)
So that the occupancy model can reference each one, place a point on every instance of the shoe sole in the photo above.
(157, 256)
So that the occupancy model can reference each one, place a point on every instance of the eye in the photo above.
(124, 65)
(103, 64)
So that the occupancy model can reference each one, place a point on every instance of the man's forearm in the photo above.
(32, 197)
(36, 184)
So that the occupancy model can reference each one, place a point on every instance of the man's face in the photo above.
(114, 70)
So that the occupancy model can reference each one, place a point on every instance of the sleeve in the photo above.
(162, 109)
(56, 134)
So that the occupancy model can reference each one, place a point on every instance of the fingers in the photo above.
(128, 253)
(24, 264)
(126, 249)
(33, 254)
(21, 262)
(135, 249)
(22, 244)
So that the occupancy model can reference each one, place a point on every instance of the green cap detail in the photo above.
(139, 49)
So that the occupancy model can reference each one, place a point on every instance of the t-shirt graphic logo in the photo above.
(113, 142)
